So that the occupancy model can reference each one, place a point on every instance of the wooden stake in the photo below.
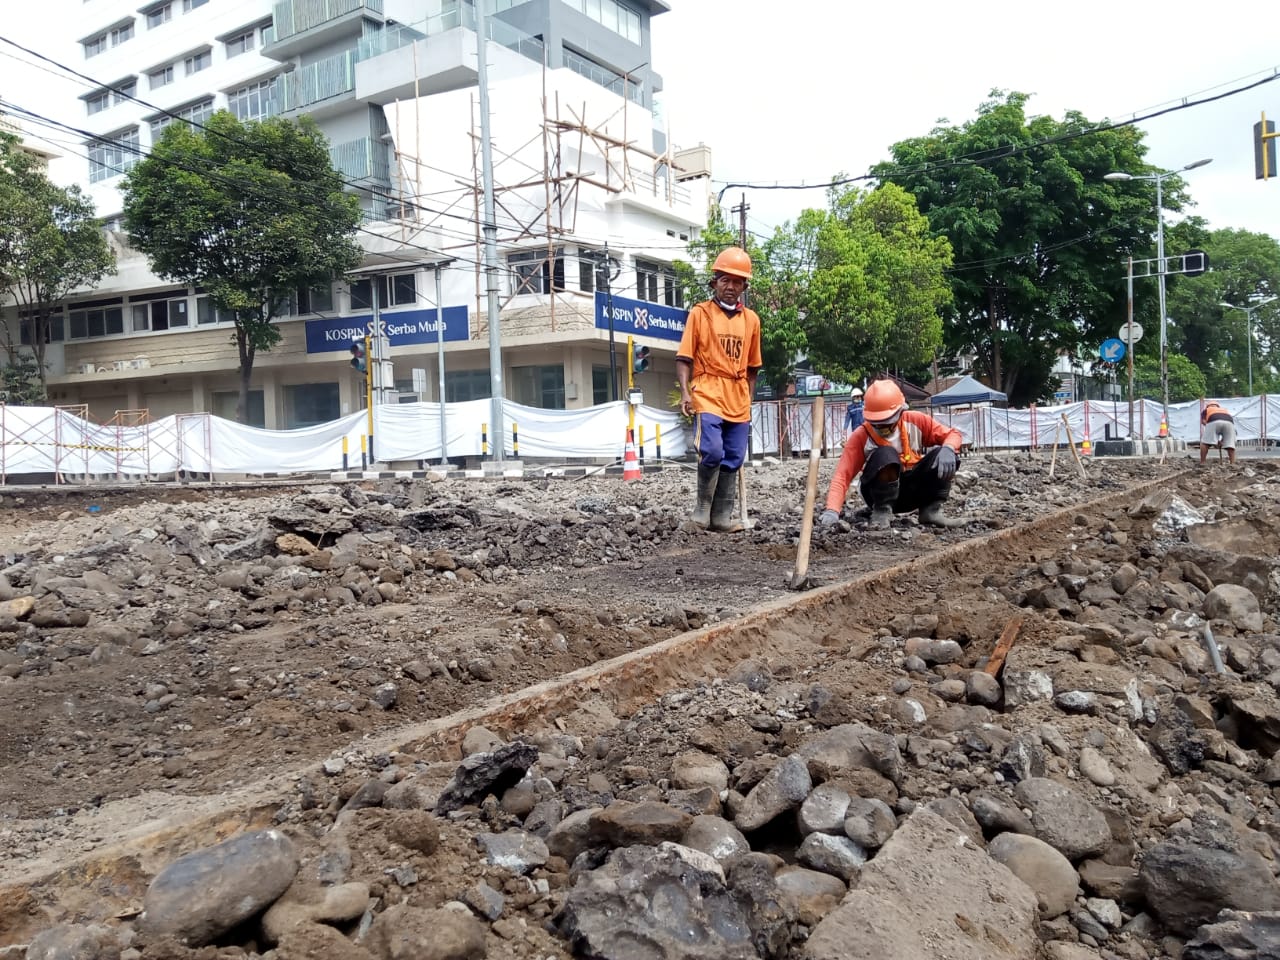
(800, 576)
(1072, 444)
(1003, 646)
(1053, 460)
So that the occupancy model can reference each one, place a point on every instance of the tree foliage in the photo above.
(855, 288)
(1244, 270)
(1039, 237)
(1186, 380)
(51, 243)
(249, 211)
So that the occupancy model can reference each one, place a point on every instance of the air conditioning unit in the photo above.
(122, 364)
(86, 367)
(140, 363)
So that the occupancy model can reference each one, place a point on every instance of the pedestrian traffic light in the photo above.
(641, 361)
(357, 355)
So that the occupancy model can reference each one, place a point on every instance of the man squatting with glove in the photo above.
(907, 459)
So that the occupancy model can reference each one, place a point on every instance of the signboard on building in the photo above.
(640, 318)
(403, 328)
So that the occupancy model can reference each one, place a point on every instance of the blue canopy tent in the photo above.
(964, 392)
(967, 392)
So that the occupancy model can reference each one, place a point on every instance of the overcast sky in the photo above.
(794, 92)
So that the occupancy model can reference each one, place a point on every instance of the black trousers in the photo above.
(909, 489)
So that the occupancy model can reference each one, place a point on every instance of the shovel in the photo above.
(800, 576)
(747, 522)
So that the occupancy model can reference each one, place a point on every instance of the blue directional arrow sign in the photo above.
(1112, 350)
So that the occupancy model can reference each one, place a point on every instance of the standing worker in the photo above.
(1219, 430)
(907, 459)
(853, 418)
(716, 366)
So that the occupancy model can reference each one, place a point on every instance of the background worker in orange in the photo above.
(716, 366)
(907, 460)
(1219, 430)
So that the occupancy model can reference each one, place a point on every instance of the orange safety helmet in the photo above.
(883, 402)
(733, 261)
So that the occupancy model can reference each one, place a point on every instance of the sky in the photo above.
(798, 92)
(794, 93)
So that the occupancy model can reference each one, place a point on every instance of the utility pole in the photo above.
(605, 278)
(490, 243)
(741, 210)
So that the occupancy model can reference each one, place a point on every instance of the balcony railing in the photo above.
(330, 77)
(292, 17)
(363, 159)
(462, 15)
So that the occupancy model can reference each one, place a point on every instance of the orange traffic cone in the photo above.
(1086, 448)
(630, 462)
(1164, 427)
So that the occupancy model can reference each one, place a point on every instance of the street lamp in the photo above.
(1248, 329)
(1160, 177)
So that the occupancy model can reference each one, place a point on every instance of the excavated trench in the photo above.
(845, 637)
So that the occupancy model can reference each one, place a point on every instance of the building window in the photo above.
(125, 91)
(95, 46)
(201, 60)
(99, 321)
(160, 78)
(396, 291)
(531, 272)
(196, 114)
(189, 5)
(97, 102)
(225, 403)
(113, 156)
(158, 15)
(463, 385)
(306, 404)
(539, 386)
(316, 299)
(656, 282)
(241, 43)
(254, 102)
(161, 314)
(600, 392)
(618, 17)
(207, 313)
(122, 33)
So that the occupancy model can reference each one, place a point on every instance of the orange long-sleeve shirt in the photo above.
(923, 432)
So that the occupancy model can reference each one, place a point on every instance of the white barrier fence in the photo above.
(61, 442)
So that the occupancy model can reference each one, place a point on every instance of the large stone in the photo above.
(693, 769)
(997, 813)
(317, 940)
(305, 903)
(811, 894)
(930, 892)
(1235, 604)
(869, 823)
(783, 788)
(622, 824)
(850, 747)
(1040, 867)
(484, 773)
(717, 838)
(1236, 934)
(823, 811)
(69, 941)
(403, 932)
(1063, 818)
(514, 850)
(1186, 884)
(206, 893)
(657, 904)
(573, 835)
(838, 856)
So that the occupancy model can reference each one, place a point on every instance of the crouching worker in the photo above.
(1219, 431)
(907, 460)
(716, 366)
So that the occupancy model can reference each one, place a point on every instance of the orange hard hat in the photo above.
(883, 402)
(733, 261)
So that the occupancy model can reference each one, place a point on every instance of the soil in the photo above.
(496, 586)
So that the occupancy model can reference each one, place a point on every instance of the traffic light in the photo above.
(641, 361)
(1264, 149)
(358, 359)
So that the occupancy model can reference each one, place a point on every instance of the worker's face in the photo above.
(728, 288)
(886, 428)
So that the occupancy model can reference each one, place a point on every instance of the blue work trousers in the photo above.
(720, 442)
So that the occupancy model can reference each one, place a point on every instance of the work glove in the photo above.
(828, 519)
(945, 464)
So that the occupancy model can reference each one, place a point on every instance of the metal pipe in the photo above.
(1214, 655)
(444, 439)
(490, 235)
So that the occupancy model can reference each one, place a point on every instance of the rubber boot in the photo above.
(883, 496)
(933, 516)
(707, 478)
(722, 505)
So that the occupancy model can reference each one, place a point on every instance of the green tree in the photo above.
(50, 244)
(249, 211)
(1039, 238)
(1244, 270)
(1186, 380)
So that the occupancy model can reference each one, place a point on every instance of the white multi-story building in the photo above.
(580, 163)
